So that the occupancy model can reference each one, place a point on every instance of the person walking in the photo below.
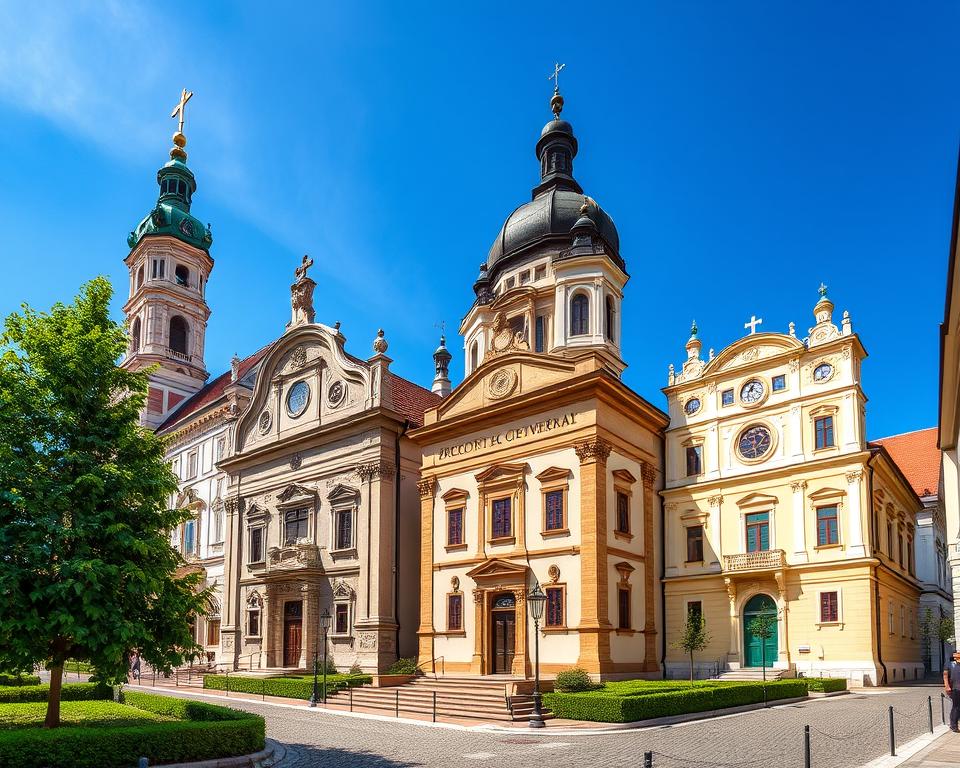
(135, 665)
(951, 684)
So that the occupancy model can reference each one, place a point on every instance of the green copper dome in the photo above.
(172, 216)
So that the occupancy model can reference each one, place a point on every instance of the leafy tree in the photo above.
(86, 568)
(693, 637)
(763, 627)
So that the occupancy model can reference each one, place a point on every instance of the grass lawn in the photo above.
(94, 714)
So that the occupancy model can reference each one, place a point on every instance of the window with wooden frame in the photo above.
(824, 420)
(343, 528)
(623, 496)
(501, 518)
(455, 503)
(554, 617)
(758, 531)
(256, 545)
(295, 523)
(191, 465)
(624, 596)
(213, 631)
(695, 609)
(829, 607)
(828, 526)
(890, 553)
(694, 543)
(455, 612)
(501, 488)
(554, 484)
(694, 455)
(341, 618)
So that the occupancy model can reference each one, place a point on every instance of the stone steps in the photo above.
(750, 674)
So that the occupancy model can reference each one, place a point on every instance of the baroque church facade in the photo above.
(296, 464)
(320, 482)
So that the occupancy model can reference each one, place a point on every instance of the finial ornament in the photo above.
(555, 76)
(301, 295)
(179, 140)
(693, 328)
(556, 103)
(380, 343)
(301, 271)
(822, 289)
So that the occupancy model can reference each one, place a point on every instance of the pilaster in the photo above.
(855, 523)
(799, 527)
(427, 488)
(648, 475)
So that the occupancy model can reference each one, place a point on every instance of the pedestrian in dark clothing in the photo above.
(951, 684)
(135, 666)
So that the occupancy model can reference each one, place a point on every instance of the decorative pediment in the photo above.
(295, 490)
(827, 493)
(342, 590)
(751, 348)
(499, 472)
(254, 600)
(624, 569)
(624, 476)
(454, 495)
(554, 474)
(255, 511)
(188, 499)
(499, 570)
(757, 500)
(343, 494)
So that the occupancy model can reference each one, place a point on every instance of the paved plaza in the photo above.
(846, 731)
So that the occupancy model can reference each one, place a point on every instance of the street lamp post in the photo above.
(536, 600)
(324, 626)
(316, 651)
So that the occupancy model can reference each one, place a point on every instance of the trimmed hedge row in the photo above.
(289, 687)
(16, 678)
(825, 684)
(208, 733)
(606, 707)
(68, 692)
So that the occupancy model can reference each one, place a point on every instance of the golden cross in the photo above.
(556, 76)
(179, 109)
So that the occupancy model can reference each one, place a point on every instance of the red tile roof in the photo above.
(411, 400)
(918, 457)
(211, 391)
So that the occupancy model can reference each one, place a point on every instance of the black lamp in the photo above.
(324, 626)
(537, 600)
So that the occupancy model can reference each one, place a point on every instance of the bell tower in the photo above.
(169, 265)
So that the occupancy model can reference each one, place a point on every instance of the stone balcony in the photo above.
(751, 562)
(293, 557)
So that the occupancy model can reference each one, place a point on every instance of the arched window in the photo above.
(608, 318)
(474, 356)
(580, 315)
(135, 335)
(183, 275)
(140, 276)
(178, 334)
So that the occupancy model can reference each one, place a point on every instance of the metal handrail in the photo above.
(432, 662)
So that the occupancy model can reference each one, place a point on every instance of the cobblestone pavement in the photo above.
(846, 731)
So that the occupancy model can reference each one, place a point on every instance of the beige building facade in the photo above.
(777, 505)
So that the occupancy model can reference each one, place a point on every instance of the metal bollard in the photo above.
(397, 713)
(893, 738)
(806, 746)
(648, 760)
(434, 706)
(930, 711)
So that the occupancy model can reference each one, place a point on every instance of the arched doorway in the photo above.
(503, 617)
(757, 651)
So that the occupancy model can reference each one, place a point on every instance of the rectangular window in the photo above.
(341, 620)
(779, 383)
(455, 527)
(189, 537)
(623, 608)
(502, 519)
(890, 540)
(220, 446)
(910, 557)
(827, 529)
(539, 273)
(511, 281)
(539, 331)
(903, 622)
(890, 616)
(900, 546)
(213, 631)
(554, 613)
(726, 397)
(525, 277)
(829, 607)
(758, 532)
(295, 525)
(554, 510)
(256, 545)
(175, 468)
(695, 609)
(623, 512)
(823, 429)
(253, 623)
(454, 613)
(695, 544)
(343, 520)
(694, 455)
(191, 465)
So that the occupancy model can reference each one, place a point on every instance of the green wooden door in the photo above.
(758, 652)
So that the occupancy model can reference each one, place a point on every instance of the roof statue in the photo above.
(301, 295)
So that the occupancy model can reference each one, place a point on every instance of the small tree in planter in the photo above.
(693, 637)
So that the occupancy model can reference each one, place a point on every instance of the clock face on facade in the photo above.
(692, 406)
(754, 442)
(822, 372)
(752, 391)
(297, 398)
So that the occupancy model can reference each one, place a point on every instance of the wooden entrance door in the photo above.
(759, 651)
(292, 633)
(504, 619)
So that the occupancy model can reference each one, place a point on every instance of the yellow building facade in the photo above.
(776, 504)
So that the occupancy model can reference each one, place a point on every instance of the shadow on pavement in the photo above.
(303, 755)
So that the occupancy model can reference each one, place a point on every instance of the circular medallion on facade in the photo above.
(754, 442)
(823, 372)
(264, 422)
(336, 393)
(691, 406)
(296, 461)
(502, 383)
(297, 398)
(186, 226)
(554, 573)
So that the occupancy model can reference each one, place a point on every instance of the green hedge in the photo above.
(288, 687)
(825, 684)
(17, 678)
(100, 714)
(648, 702)
(69, 692)
(208, 732)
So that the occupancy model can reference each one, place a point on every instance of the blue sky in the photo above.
(746, 151)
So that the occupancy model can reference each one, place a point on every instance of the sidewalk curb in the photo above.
(908, 750)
